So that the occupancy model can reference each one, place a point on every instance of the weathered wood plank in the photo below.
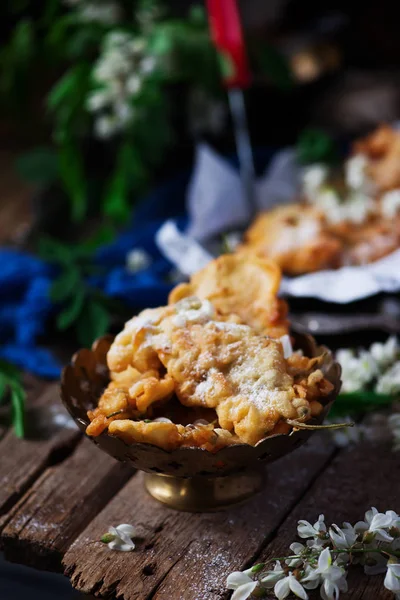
(200, 549)
(50, 436)
(358, 478)
(59, 505)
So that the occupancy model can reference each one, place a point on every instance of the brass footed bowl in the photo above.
(191, 479)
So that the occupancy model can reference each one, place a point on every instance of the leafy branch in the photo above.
(11, 388)
(82, 308)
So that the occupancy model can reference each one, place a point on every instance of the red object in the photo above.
(226, 31)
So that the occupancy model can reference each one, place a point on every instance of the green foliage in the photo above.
(82, 308)
(61, 41)
(38, 166)
(357, 403)
(314, 145)
(15, 59)
(11, 387)
(73, 179)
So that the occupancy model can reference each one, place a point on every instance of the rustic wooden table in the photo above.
(59, 494)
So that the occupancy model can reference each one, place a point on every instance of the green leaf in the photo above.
(11, 372)
(227, 65)
(92, 323)
(116, 202)
(18, 397)
(66, 284)
(53, 251)
(22, 41)
(314, 145)
(3, 387)
(72, 176)
(197, 14)
(72, 311)
(39, 166)
(355, 403)
(104, 234)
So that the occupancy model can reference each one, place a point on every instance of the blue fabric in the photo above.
(25, 280)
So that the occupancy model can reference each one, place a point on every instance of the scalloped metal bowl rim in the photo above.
(191, 449)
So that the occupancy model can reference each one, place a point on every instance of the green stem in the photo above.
(338, 551)
(301, 425)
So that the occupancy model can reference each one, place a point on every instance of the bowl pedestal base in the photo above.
(203, 494)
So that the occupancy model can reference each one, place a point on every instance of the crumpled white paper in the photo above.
(216, 205)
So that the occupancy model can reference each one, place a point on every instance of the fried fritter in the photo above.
(295, 236)
(241, 286)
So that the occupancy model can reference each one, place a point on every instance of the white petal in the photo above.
(383, 535)
(297, 548)
(127, 529)
(236, 579)
(113, 531)
(337, 536)
(297, 588)
(305, 529)
(380, 521)
(282, 589)
(369, 515)
(391, 582)
(244, 591)
(329, 590)
(324, 560)
(121, 546)
(361, 526)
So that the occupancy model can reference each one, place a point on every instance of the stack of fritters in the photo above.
(219, 352)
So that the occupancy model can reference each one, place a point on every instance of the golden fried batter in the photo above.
(295, 236)
(206, 362)
(382, 147)
(243, 286)
(346, 218)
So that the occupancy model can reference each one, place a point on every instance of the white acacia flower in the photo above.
(298, 549)
(389, 382)
(270, 578)
(357, 371)
(105, 127)
(306, 530)
(137, 260)
(289, 584)
(355, 171)
(124, 65)
(344, 537)
(242, 584)
(392, 578)
(120, 537)
(330, 575)
(313, 177)
(377, 523)
(385, 354)
(391, 203)
(107, 13)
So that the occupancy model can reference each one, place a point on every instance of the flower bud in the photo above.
(368, 537)
(394, 532)
(257, 568)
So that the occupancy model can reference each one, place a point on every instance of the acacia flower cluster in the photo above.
(324, 558)
(377, 368)
(89, 11)
(120, 73)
